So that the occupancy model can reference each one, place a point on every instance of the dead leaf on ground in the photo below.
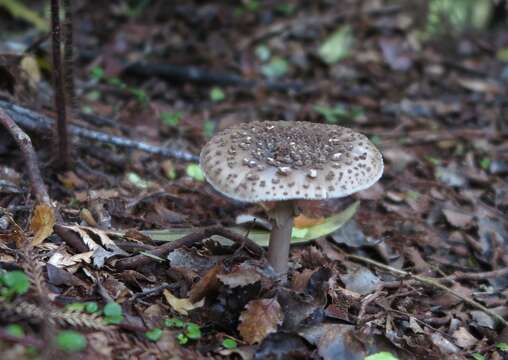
(260, 318)
(457, 219)
(43, 220)
(181, 306)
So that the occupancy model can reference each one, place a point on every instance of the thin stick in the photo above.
(58, 82)
(431, 282)
(33, 121)
(188, 240)
(69, 54)
(25, 144)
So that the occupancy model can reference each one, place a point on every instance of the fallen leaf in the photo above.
(463, 338)
(241, 275)
(457, 219)
(260, 318)
(181, 306)
(302, 221)
(43, 220)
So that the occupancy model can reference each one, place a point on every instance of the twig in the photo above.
(33, 121)
(162, 250)
(25, 144)
(203, 76)
(58, 80)
(428, 281)
(458, 275)
(69, 53)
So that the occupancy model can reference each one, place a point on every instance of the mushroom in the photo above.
(287, 161)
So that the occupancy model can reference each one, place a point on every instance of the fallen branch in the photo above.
(25, 144)
(33, 121)
(203, 76)
(188, 240)
(428, 281)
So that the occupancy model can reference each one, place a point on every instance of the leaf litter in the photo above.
(417, 270)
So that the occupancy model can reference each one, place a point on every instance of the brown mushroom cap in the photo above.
(279, 160)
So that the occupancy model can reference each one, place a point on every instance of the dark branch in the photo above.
(33, 121)
(25, 144)
(188, 240)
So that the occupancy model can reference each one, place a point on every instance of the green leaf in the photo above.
(113, 313)
(195, 172)
(381, 356)
(229, 344)
(192, 331)
(337, 46)
(433, 160)
(91, 307)
(502, 346)
(276, 68)
(171, 118)
(478, 356)
(252, 5)
(332, 115)
(216, 94)
(182, 339)
(174, 322)
(208, 128)
(485, 163)
(20, 11)
(16, 281)
(154, 335)
(71, 341)
(263, 53)
(299, 233)
(137, 181)
(261, 237)
(97, 73)
(15, 330)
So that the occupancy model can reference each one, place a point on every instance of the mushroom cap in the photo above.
(280, 160)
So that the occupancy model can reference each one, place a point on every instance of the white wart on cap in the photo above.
(279, 160)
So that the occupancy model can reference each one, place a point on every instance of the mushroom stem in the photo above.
(280, 238)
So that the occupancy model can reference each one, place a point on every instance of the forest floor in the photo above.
(418, 270)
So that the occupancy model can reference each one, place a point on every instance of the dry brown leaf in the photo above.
(260, 318)
(205, 285)
(62, 259)
(43, 220)
(181, 306)
(457, 219)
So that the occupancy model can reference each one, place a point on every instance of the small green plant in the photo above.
(485, 163)
(339, 112)
(15, 330)
(502, 346)
(98, 74)
(195, 172)
(216, 94)
(383, 355)
(154, 335)
(13, 283)
(277, 67)
(191, 331)
(263, 53)
(208, 128)
(174, 322)
(113, 313)
(337, 46)
(70, 341)
(171, 119)
(478, 356)
(229, 343)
